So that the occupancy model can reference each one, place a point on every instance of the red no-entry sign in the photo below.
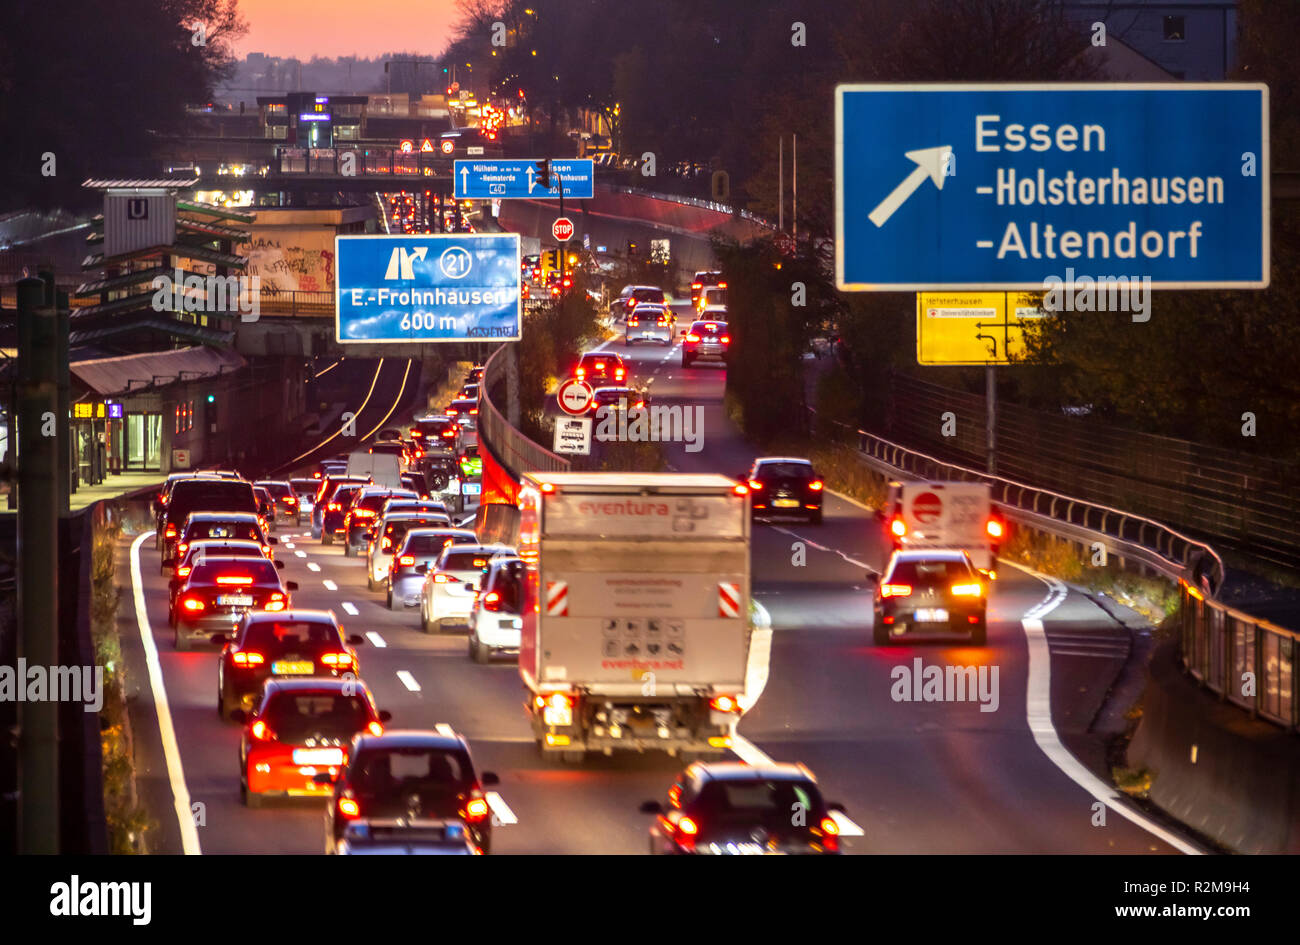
(562, 229)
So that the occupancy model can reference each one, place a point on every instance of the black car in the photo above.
(291, 643)
(206, 494)
(412, 774)
(785, 485)
(334, 515)
(325, 494)
(734, 808)
(929, 593)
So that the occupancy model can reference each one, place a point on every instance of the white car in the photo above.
(451, 583)
(495, 624)
(650, 322)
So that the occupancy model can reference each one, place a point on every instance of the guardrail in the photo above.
(512, 449)
(693, 202)
(1220, 645)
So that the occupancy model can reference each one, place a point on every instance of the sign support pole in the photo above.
(991, 401)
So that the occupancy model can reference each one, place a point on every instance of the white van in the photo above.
(384, 469)
(945, 515)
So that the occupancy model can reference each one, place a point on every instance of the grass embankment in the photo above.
(128, 821)
(440, 396)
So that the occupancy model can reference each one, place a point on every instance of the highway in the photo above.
(915, 777)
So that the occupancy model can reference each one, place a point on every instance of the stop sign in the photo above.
(927, 507)
(562, 229)
(575, 396)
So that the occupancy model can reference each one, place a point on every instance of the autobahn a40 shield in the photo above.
(428, 288)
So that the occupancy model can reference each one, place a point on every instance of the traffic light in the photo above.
(552, 259)
(632, 249)
(544, 173)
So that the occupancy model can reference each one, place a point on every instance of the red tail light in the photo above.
(816, 485)
(722, 285)
(234, 579)
(406, 560)
(375, 728)
(724, 704)
(290, 500)
(261, 731)
(711, 327)
(895, 590)
(726, 339)
(349, 808)
(170, 532)
(830, 831)
(692, 337)
(740, 489)
(618, 374)
(755, 485)
(336, 659)
(633, 322)
(183, 571)
(600, 365)
(898, 527)
(363, 513)
(333, 506)
(994, 528)
(249, 658)
(697, 285)
(182, 547)
(581, 372)
(492, 601)
(477, 809)
(192, 604)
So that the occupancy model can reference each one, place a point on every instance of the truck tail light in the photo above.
(994, 528)
(740, 489)
(895, 590)
(557, 709)
(724, 704)
(898, 527)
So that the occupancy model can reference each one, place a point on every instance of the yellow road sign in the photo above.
(972, 327)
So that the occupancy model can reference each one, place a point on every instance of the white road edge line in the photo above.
(375, 639)
(751, 754)
(1038, 713)
(820, 547)
(408, 680)
(166, 730)
(500, 809)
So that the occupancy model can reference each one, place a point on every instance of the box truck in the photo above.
(945, 515)
(636, 613)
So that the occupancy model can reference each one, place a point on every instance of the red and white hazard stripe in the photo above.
(728, 599)
(557, 598)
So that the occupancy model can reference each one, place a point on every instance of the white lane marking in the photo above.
(445, 730)
(504, 815)
(349, 608)
(751, 754)
(313, 566)
(820, 547)
(850, 500)
(289, 545)
(375, 639)
(166, 730)
(1038, 712)
(330, 585)
(408, 680)
(301, 554)
(1112, 655)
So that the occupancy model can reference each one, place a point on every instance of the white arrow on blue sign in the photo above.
(516, 180)
(453, 287)
(1001, 187)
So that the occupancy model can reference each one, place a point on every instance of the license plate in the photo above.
(471, 488)
(935, 615)
(786, 503)
(234, 600)
(293, 668)
(329, 757)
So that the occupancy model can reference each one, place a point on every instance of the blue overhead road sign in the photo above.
(1000, 187)
(485, 180)
(427, 288)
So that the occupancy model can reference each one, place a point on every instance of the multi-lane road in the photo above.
(915, 777)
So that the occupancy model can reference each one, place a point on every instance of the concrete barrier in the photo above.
(1233, 778)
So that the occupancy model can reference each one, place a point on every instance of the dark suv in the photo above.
(785, 485)
(327, 514)
(200, 495)
(929, 593)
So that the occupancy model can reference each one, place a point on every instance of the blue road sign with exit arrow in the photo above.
(513, 180)
(1001, 187)
(427, 288)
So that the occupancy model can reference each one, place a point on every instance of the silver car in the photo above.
(648, 322)
(418, 552)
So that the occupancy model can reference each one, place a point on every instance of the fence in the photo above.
(1221, 645)
(512, 449)
(295, 303)
(1239, 501)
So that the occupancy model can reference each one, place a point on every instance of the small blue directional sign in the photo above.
(427, 288)
(507, 180)
(1001, 187)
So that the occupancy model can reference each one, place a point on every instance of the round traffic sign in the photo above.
(575, 396)
(927, 507)
(562, 229)
(447, 146)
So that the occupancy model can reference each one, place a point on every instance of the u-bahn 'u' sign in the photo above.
(427, 288)
(1001, 187)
